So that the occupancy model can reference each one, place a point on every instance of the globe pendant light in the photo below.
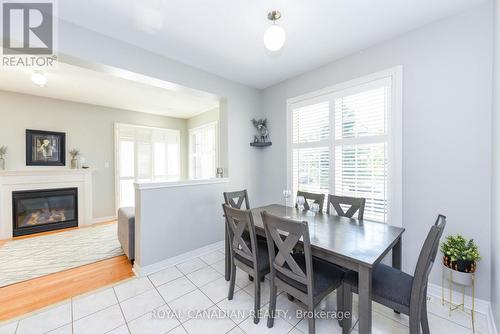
(274, 37)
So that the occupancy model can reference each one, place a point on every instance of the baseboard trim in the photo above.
(103, 219)
(480, 305)
(492, 328)
(152, 268)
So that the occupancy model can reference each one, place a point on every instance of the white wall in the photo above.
(89, 128)
(495, 201)
(446, 128)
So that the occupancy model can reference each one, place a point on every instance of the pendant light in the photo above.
(274, 37)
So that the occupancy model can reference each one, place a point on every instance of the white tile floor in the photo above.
(164, 303)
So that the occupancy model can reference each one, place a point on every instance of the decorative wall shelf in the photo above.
(259, 144)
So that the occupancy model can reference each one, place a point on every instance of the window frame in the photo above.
(394, 133)
(135, 177)
(215, 124)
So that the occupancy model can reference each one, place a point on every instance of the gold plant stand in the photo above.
(462, 280)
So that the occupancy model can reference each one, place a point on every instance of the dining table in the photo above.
(357, 245)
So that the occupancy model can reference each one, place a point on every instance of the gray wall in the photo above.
(243, 104)
(495, 202)
(446, 128)
(88, 127)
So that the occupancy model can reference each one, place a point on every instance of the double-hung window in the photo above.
(346, 141)
(203, 153)
(144, 154)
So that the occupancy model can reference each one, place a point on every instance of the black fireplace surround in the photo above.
(35, 211)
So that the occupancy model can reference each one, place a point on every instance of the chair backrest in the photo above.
(426, 261)
(235, 199)
(283, 261)
(357, 204)
(317, 198)
(237, 222)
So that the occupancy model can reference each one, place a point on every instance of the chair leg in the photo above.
(415, 321)
(423, 316)
(340, 302)
(346, 308)
(233, 281)
(256, 299)
(272, 303)
(312, 323)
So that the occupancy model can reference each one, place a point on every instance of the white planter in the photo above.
(458, 277)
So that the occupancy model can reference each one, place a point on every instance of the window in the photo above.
(144, 154)
(203, 155)
(346, 141)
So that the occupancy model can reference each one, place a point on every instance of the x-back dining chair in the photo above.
(235, 199)
(250, 256)
(397, 290)
(356, 204)
(300, 275)
(316, 198)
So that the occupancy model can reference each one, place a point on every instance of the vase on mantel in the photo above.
(2, 164)
(74, 163)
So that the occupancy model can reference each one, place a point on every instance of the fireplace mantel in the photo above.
(40, 178)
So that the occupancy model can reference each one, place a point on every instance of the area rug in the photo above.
(28, 258)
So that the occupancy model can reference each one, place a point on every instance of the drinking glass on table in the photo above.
(287, 193)
(314, 208)
(300, 204)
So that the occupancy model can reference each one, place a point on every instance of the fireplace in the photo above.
(37, 211)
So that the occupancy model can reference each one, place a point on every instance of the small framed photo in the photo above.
(45, 148)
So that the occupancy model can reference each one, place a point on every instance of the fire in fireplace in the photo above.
(37, 211)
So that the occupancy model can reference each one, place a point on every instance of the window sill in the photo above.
(174, 184)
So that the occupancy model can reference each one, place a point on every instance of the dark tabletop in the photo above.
(363, 242)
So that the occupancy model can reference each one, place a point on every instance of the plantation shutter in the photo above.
(361, 146)
(340, 145)
(311, 156)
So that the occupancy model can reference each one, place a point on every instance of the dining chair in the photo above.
(306, 278)
(235, 199)
(317, 198)
(398, 290)
(251, 255)
(241, 196)
(356, 204)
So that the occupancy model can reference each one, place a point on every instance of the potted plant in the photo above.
(460, 256)
(74, 158)
(3, 153)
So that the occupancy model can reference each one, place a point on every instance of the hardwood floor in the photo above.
(31, 295)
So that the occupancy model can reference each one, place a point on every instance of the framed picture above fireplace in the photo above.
(45, 148)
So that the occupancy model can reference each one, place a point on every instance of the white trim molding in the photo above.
(104, 219)
(480, 305)
(173, 184)
(395, 132)
(152, 268)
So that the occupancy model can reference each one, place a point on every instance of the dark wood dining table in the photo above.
(353, 244)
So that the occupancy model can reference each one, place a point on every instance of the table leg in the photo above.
(397, 254)
(365, 300)
(227, 261)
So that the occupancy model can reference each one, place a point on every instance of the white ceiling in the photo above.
(78, 84)
(225, 36)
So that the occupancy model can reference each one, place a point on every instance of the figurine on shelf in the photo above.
(262, 131)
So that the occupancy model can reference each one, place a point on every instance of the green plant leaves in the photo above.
(458, 248)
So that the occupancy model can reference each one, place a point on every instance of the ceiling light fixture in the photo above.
(274, 37)
(39, 79)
